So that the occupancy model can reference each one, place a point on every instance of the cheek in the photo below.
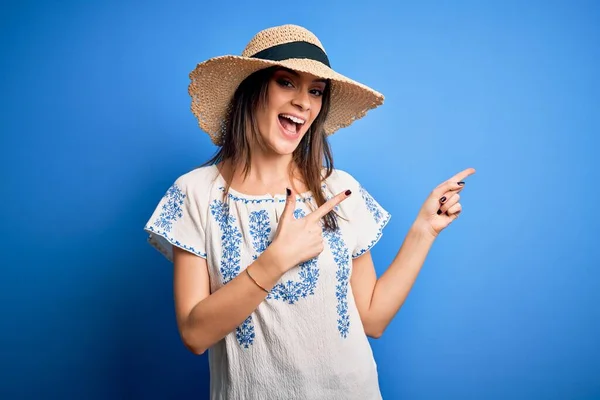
(264, 120)
(268, 113)
(315, 109)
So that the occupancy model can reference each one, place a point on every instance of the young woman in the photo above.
(270, 243)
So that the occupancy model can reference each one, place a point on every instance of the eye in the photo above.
(317, 92)
(284, 82)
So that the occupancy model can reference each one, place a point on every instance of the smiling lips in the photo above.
(291, 124)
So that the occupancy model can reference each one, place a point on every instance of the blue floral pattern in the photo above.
(371, 206)
(265, 200)
(341, 256)
(171, 208)
(173, 241)
(171, 211)
(260, 230)
(245, 333)
(230, 261)
(380, 216)
(231, 240)
(290, 291)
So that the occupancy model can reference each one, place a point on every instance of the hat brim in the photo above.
(213, 83)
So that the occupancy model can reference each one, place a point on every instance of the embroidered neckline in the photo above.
(259, 198)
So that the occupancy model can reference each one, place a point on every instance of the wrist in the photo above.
(263, 272)
(271, 262)
(423, 230)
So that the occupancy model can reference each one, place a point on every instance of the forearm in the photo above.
(227, 308)
(393, 287)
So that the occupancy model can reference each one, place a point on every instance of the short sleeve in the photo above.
(177, 221)
(368, 218)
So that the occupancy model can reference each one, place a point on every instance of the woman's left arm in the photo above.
(378, 300)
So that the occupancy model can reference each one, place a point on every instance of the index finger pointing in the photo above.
(329, 205)
(462, 175)
(458, 177)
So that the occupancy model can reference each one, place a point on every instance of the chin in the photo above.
(283, 146)
(281, 143)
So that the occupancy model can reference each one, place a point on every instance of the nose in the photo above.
(302, 100)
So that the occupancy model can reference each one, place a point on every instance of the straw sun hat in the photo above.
(214, 81)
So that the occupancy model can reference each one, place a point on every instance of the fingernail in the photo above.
(288, 191)
(461, 183)
(439, 212)
(348, 192)
(443, 199)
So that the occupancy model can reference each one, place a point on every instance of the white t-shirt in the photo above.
(306, 340)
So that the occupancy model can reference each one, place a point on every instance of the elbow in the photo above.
(374, 332)
(192, 342)
(196, 350)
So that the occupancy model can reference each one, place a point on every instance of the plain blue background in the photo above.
(96, 125)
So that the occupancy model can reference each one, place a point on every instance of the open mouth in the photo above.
(291, 124)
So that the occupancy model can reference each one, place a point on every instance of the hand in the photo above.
(299, 240)
(442, 206)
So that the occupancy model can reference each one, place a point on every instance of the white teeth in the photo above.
(293, 119)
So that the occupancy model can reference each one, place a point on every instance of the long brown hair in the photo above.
(312, 154)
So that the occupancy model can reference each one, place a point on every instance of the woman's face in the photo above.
(293, 102)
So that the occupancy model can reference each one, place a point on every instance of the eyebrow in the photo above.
(296, 74)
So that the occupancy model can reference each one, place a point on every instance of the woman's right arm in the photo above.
(204, 318)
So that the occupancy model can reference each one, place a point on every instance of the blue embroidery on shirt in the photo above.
(171, 208)
(172, 211)
(245, 333)
(380, 216)
(371, 205)
(290, 291)
(167, 252)
(265, 200)
(231, 240)
(342, 259)
(260, 230)
(341, 256)
(230, 261)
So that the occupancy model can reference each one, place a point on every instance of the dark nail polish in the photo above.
(288, 191)
(461, 183)
(439, 212)
(443, 199)
(348, 192)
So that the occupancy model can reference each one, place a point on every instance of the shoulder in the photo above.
(198, 184)
(199, 176)
(341, 180)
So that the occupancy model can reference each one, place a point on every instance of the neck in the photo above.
(267, 167)
(268, 173)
